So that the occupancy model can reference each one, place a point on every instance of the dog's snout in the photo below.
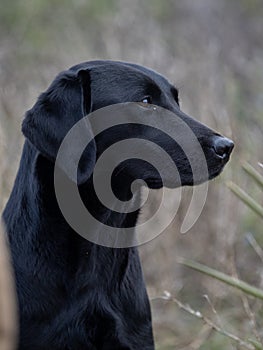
(222, 146)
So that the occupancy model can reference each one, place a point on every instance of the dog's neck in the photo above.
(37, 173)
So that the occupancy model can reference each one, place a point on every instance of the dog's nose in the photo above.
(222, 146)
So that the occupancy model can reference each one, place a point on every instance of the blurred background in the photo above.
(213, 52)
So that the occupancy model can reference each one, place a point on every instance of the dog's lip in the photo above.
(224, 158)
(155, 181)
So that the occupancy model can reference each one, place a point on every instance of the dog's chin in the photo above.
(186, 180)
(215, 173)
(154, 184)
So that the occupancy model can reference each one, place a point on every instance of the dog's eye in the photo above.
(147, 99)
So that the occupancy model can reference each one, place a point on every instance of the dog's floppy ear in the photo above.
(66, 101)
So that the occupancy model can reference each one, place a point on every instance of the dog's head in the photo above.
(91, 86)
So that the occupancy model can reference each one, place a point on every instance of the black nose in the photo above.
(222, 146)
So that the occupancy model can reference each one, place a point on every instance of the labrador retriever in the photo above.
(74, 294)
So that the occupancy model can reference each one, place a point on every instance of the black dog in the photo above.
(74, 294)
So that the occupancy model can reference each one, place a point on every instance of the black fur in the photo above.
(74, 294)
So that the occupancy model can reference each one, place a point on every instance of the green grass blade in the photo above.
(257, 177)
(256, 344)
(234, 282)
(249, 201)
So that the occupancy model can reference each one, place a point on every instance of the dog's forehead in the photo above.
(148, 72)
(117, 70)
